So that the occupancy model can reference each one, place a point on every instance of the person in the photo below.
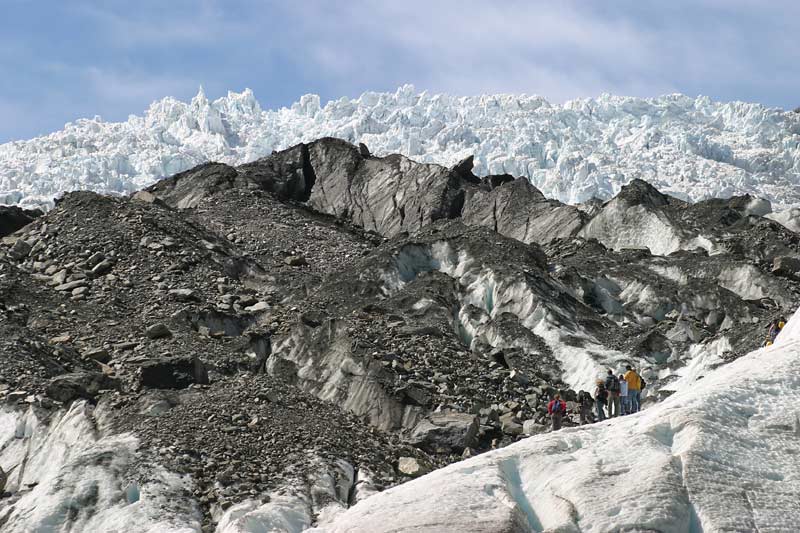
(774, 329)
(634, 388)
(557, 408)
(612, 387)
(623, 395)
(585, 405)
(600, 397)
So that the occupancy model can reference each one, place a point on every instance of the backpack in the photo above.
(642, 383)
(556, 407)
(602, 395)
(613, 385)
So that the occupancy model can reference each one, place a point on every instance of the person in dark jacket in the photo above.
(557, 408)
(612, 388)
(600, 398)
(585, 403)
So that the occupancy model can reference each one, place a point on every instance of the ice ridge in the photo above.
(693, 148)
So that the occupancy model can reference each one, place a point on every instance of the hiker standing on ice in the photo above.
(612, 387)
(774, 329)
(634, 388)
(600, 398)
(585, 403)
(624, 401)
(557, 408)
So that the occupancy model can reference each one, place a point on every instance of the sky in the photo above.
(61, 60)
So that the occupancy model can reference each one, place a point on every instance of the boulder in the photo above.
(103, 267)
(409, 466)
(145, 196)
(158, 331)
(71, 285)
(295, 260)
(98, 354)
(257, 307)
(59, 278)
(172, 372)
(95, 259)
(79, 385)
(447, 432)
(20, 250)
(788, 267)
(510, 425)
(530, 427)
(183, 295)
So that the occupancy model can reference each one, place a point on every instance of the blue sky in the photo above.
(67, 59)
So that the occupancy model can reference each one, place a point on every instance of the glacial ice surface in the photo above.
(693, 148)
(64, 476)
(721, 454)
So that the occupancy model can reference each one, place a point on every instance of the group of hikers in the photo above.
(773, 329)
(613, 396)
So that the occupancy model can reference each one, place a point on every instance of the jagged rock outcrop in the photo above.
(518, 210)
(79, 385)
(13, 218)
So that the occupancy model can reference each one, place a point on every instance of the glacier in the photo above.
(718, 455)
(692, 148)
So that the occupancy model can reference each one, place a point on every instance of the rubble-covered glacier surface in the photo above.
(692, 148)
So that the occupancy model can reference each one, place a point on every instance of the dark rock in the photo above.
(414, 395)
(103, 267)
(99, 354)
(183, 295)
(19, 250)
(295, 260)
(71, 285)
(85, 385)
(158, 331)
(172, 372)
(788, 267)
(13, 218)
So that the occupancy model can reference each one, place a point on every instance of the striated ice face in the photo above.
(687, 147)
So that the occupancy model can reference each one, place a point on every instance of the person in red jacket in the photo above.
(557, 408)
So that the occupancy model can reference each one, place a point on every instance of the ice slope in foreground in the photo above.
(687, 147)
(721, 456)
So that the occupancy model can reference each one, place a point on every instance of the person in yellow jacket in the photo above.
(634, 389)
